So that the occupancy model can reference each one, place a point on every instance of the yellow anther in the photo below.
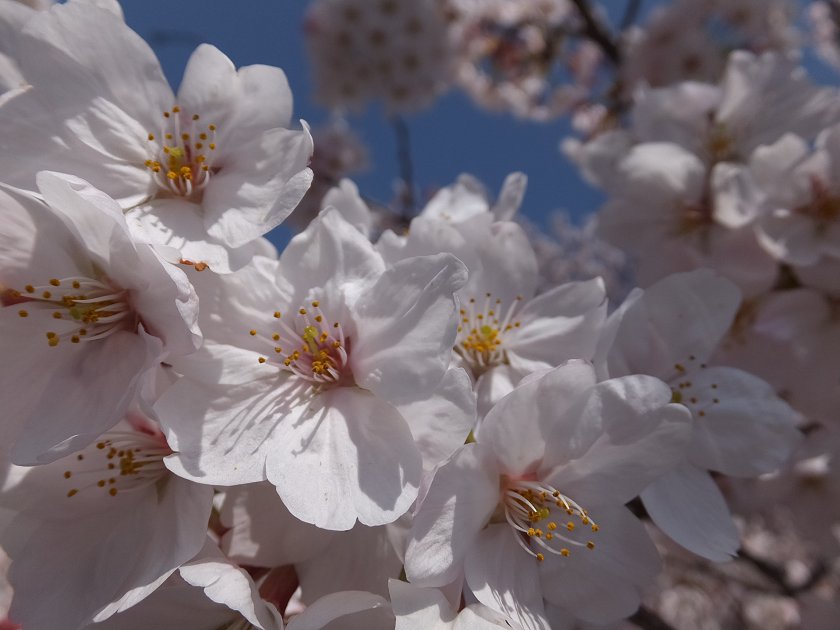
(29, 288)
(176, 109)
(252, 332)
(23, 313)
(261, 359)
(595, 528)
(532, 531)
(540, 557)
(55, 282)
(570, 526)
(151, 136)
(275, 337)
(72, 493)
(564, 552)
(552, 526)
(316, 304)
(67, 474)
(590, 545)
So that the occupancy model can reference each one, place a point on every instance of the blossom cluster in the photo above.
(454, 424)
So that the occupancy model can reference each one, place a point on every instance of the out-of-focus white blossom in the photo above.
(396, 51)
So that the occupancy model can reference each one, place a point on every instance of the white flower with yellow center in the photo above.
(113, 520)
(320, 378)
(202, 174)
(87, 313)
(740, 427)
(533, 513)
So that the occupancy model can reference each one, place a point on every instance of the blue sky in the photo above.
(450, 138)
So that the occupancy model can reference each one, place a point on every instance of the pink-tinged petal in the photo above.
(261, 531)
(347, 456)
(505, 578)
(604, 584)
(174, 606)
(107, 558)
(88, 392)
(172, 534)
(687, 505)
(406, 326)
(741, 427)
(360, 559)
(678, 322)
(621, 435)
(458, 504)
(260, 182)
(340, 605)
(330, 250)
(519, 425)
(227, 584)
(561, 324)
(441, 422)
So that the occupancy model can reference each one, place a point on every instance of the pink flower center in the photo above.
(80, 309)
(309, 346)
(546, 520)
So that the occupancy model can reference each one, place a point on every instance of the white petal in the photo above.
(678, 321)
(442, 421)
(463, 495)
(741, 427)
(687, 505)
(225, 583)
(348, 457)
(605, 583)
(337, 605)
(519, 425)
(621, 436)
(406, 326)
(505, 578)
(261, 531)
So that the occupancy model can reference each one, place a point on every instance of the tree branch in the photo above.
(596, 31)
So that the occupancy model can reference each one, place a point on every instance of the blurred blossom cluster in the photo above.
(421, 413)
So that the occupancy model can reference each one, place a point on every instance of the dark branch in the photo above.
(646, 619)
(595, 30)
(777, 575)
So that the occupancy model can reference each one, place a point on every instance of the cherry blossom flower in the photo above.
(87, 313)
(394, 51)
(204, 172)
(534, 510)
(739, 426)
(115, 520)
(323, 346)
